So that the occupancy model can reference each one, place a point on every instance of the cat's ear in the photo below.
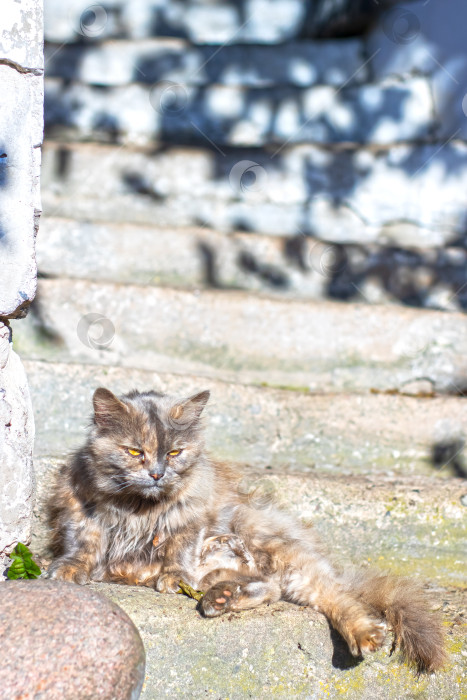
(108, 409)
(185, 412)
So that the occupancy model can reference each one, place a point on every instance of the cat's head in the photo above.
(145, 443)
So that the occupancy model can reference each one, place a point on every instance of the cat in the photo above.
(142, 503)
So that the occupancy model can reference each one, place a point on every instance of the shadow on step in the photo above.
(448, 454)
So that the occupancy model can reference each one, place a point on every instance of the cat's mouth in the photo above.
(154, 486)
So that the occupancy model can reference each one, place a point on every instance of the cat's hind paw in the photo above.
(223, 597)
(367, 637)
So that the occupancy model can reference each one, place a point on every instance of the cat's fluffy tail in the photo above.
(402, 602)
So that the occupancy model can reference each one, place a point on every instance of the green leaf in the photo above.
(187, 590)
(22, 565)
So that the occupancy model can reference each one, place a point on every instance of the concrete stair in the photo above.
(158, 59)
(287, 267)
(231, 115)
(342, 196)
(320, 347)
(281, 651)
(283, 428)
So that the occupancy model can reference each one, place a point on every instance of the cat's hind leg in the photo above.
(362, 627)
(235, 593)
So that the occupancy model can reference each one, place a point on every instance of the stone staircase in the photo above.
(180, 251)
(342, 410)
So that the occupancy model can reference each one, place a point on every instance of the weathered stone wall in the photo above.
(21, 126)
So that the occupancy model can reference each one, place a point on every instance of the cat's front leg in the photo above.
(82, 546)
(132, 573)
(75, 570)
(169, 581)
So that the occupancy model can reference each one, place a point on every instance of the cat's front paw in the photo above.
(169, 583)
(68, 572)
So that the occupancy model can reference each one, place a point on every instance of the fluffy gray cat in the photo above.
(142, 503)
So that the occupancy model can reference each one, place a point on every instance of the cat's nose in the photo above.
(157, 471)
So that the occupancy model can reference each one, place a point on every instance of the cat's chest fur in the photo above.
(147, 533)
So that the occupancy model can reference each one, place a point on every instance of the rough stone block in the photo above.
(16, 444)
(278, 651)
(20, 141)
(60, 640)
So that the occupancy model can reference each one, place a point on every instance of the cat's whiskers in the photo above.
(123, 487)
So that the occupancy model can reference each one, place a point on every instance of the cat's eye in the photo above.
(134, 453)
(173, 453)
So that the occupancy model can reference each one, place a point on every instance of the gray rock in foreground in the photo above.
(281, 650)
(66, 642)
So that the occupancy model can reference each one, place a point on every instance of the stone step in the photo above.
(227, 115)
(233, 336)
(408, 196)
(281, 651)
(221, 22)
(189, 257)
(266, 427)
(298, 267)
(299, 63)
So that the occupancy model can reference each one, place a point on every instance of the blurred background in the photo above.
(267, 198)
(330, 131)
